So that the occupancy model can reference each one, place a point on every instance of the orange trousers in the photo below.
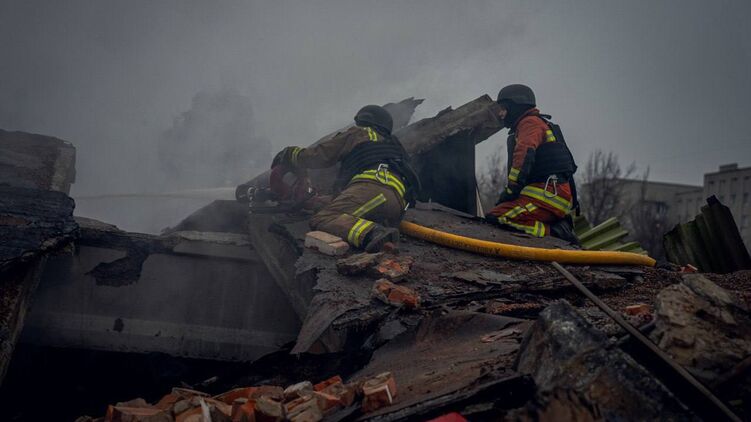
(535, 209)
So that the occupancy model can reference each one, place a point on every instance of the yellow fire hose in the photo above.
(486, 247)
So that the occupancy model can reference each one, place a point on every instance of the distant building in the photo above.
(731, 185)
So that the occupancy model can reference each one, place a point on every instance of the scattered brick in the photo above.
(243, 410)
(327, 402)
(688, 268)
(336, 379)
(357, 263)
(181, 406)
(378, 392)
(230, 396)
(394, 268)
(268, 410)
(304, 409)
(395, 295)
(167, 402)
(346, 393)
(192, 415)
(136, 414)
(298, 390)
(270, 391)
(326, 243)
(638, 309)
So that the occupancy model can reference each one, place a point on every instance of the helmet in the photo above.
(373, 115)
(517, 94)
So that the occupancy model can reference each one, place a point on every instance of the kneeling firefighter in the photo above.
(540, 192)
(376, 183)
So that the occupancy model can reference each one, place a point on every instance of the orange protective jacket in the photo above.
(526, 135)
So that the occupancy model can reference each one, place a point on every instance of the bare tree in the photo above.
(602, 187)
(493, 180)
(648, 221)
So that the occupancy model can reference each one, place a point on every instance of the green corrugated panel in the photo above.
(623, 247)
(604, 227)
(605, 239)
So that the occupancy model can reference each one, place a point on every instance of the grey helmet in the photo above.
(517, 94)
(374, 115)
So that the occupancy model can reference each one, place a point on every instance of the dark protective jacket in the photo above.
(537, 151)
(366, 155)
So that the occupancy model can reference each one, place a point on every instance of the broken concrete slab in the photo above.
(36, 161)
(33, 224)
(703, 327)
(187, 294)
(562, 350)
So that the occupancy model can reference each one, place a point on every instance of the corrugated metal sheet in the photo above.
(711, 242)
(606, 236)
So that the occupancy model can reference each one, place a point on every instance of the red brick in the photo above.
(327, 402)
(304, 409)
(269, 391)
(390, 248)
(268, 410)
(298, 390)
(192, 415)
(638, 309)
(326, 243)
(323, 384)
(166, 402)
(394, 268)
(396, 295)
(357, 263)
(230, 396)
(345, 393)
(378, 392)
(243, 410)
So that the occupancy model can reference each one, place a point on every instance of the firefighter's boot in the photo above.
(379, 236)
(564, 229)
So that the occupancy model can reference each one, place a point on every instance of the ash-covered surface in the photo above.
(343, 311)
(446, 354)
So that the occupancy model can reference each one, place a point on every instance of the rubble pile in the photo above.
(301, 402)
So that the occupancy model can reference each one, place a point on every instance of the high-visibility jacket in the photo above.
(351, 142)
(526, 137)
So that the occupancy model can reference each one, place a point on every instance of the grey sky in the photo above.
(661, 83)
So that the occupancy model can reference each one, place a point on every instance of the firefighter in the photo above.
(375, 182)
(540, 192)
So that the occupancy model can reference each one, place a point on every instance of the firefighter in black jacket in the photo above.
(376, 180)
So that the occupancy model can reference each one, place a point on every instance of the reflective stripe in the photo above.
(385, 177)
(514, 212)
(295, 153)
(555, 201)
(372, 135)
(513, 175)
(537, 229)
(530, 207)
(508, 190)
(354, 236)
(549, 137)
(370, 205)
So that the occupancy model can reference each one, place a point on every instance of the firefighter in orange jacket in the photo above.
(375, 184)
(540, 192)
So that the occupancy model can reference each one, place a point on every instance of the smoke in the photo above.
(212, 144)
